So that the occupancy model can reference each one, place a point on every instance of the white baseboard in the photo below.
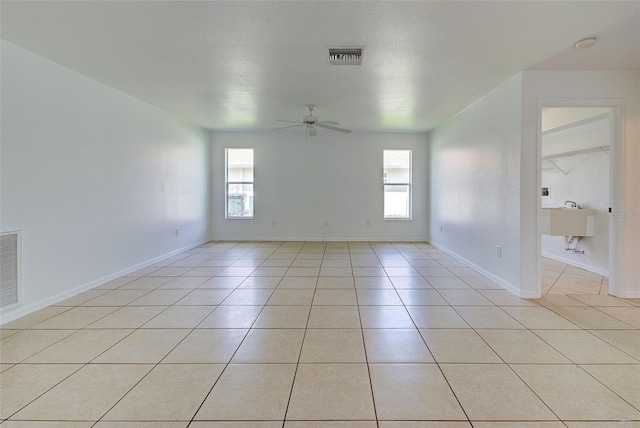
(504, 284)
(584, 266)
(316, 239)
(16, 311)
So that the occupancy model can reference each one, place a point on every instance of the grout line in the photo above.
(304, 335)
(364, 346)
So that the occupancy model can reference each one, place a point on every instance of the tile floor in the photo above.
(295, 334)
(561, 278)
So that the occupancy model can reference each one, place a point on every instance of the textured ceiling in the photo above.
(243, 65)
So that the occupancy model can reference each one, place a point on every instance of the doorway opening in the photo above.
(576, 145)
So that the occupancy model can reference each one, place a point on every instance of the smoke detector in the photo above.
(345, 56)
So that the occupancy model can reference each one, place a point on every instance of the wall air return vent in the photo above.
(8, 269)
(345, 56)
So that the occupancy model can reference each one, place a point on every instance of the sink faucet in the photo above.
(573, 204)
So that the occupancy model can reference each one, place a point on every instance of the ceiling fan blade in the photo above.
(313, 131)
(290, 121)
(327, 122)
(333, 128)
(285, 127)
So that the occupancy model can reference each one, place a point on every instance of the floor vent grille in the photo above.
(8, 269)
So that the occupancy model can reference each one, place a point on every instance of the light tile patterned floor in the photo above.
(310, 334)
(561, 278)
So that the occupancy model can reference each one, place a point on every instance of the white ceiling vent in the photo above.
(345, 56)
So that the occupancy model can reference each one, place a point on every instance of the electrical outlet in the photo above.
(441, 229)
(273, 223)
(177, 231)
(368, 223)
(498, 251)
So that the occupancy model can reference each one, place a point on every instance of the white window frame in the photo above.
(228, 183)
(386, 182)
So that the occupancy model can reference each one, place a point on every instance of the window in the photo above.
(239, 183)
(396, 180)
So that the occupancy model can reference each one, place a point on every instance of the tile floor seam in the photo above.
(366, 358)
(580, 366)
(562, 316)
(534, 392)
(552, 346)
(295, 373)
(597, 308)
(614, 346)
(43, 393)
(454, 307)
(556, 280)
(127, 392)
(23, 361)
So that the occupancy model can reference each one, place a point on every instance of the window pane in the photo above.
(396, 201)
(239, 200)
(397, 166)
(240, 165)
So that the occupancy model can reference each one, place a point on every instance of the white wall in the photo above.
(601, 89)
(587, 183)
(333, 178)
(96, 181)
(485, 177)
(474, 179)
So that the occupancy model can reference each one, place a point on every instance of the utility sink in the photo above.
(568, 221)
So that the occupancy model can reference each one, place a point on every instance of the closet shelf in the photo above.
(577, 152)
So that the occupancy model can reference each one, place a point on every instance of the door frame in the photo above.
(616, 193)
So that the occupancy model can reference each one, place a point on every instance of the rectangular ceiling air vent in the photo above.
(345, 56)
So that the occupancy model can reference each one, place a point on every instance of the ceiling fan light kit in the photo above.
(312, 123)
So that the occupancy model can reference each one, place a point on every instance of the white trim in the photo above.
(316, 239)
(574, 263)
(18, 311)
(506, 285)
(633, 294)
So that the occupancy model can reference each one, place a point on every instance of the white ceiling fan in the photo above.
(312, 123)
